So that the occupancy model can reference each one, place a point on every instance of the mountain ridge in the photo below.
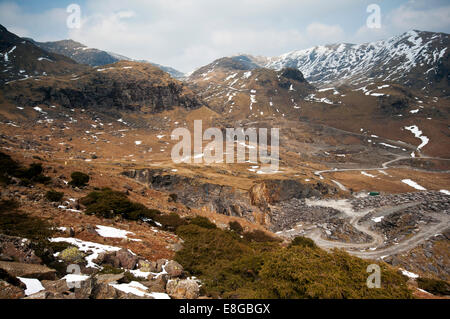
(94, 57)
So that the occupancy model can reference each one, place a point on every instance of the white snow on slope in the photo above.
(413, 184)
(378, 219)
(86, 246)
(33, 285)
(392, 58)
(367, 174)
(418, 134)
(111, 232)
(409, 274)
(139, 289)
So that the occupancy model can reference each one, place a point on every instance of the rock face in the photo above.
(194, 193)
(274, 191)
(182, 289)
(129, 86)
(253, 204)
(17, 249)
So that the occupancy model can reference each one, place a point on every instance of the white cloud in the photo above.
(186, 34)
(325, 33)
(419, 15)
(49, 24)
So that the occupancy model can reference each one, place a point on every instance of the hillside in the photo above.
(87, 178)
(22, 60)
(123, 85)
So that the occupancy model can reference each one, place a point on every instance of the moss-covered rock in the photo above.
(72, 255)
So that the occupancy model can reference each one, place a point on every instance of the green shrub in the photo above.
(7, 164)
(236, 227)
(33, 174)
(206, 246)
(434, 286)
(108, 204)
(259, 236)
(27, 176)
(54, 196)
(42, 179)
(303, 242)
(72, 255)
(170, 222)
(231, 267)
(79, 179)
(59, 246)
(15, 223)
(202, 222)
(108, 269)
(129, 277)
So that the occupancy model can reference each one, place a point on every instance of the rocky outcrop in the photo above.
(16, 269)
(273, 191)
(195, 193)
(253, 204)
(17, 249)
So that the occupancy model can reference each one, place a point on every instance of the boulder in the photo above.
(159, 264)
(108, 278)
(17, 249)
(55, 286)
(16, 269)
(67, 231)
(182, 289)
(8, 291)
(85, 289)
(147, 266)
(51, 295)
(173, 269)
(105, 291)
(118, 259)
(157, 284)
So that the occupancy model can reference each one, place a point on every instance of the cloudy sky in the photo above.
(187, 34)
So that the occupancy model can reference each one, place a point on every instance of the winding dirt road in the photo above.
(374, 249)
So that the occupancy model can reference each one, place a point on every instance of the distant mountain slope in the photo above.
(21, 59)
(124, 85)
(416, 59)
(239, 88)
(94, 57)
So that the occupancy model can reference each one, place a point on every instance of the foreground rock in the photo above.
(28, 270)
(8, 291)
(183, 289)
(173, 269)
(118, 259)
(17, 249)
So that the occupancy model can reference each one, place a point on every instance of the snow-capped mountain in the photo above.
(417, 59)
(94, 57)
